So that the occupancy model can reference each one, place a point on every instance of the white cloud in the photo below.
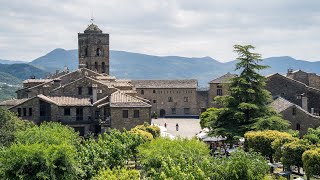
(167, 27)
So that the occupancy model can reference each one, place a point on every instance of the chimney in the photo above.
(304, 103)
(94, 93)
(312, 110)
(289, 72)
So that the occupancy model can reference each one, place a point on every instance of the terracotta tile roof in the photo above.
(223, 79)
(37, 80)
(158, 84)
(69, 101)
(120, 99)
(13, 102)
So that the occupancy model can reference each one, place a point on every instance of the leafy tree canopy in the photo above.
(9, 124)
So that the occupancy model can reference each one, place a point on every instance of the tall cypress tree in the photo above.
(248, 101)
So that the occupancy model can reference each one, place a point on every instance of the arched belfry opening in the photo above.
(93, 47)
(96, 66)
(98, 52)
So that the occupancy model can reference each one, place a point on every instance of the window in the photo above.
(67, 111)
(154, 101)
(96, 66)
(86, 51)
(97, 114)
(219, 92)
(169, 99)
(125, 113)
(186, 110)
(154, 91)
(79, 114)
(173, 110)
(103, 64)
(185, 99)
(142, 91)
(294, 111)
(136, 114)
(79, 90)
(89, 90)
(30, 111)
(298, 127)
(99, 52)
(19, 112)
(24, 111)
(219, 86)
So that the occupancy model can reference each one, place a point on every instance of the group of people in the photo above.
(177, 126)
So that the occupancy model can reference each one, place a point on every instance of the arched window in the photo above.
(103, 64)
(96, 66)
(298, 127)
(99, 52)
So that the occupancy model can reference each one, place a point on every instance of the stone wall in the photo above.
(87, 46)
(213, 92)
(304, 119)
(118, 122)
(202, 100)
(181, 99)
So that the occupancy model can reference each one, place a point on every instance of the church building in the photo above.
(88, 99)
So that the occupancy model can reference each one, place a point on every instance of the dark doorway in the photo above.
(162, 113)
(79, 114)
(45, 111)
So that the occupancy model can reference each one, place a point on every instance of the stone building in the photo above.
(170, 98)
(87, 99)
(299, 118)
(219, 87)
(294, 91)
(310, 79)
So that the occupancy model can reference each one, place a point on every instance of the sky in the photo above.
(190, 28)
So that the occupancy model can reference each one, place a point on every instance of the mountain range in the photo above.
(130, 65)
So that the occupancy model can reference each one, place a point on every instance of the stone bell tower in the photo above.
(93, 48)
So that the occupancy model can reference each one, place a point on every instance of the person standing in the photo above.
(177, 127)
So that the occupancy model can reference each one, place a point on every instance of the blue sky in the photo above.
(192, 28)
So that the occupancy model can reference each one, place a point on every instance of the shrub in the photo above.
(311, 162)
(118, 174)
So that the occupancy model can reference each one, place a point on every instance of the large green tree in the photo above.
(9, 125)
(246, 108)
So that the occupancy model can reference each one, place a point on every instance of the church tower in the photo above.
(93, 48)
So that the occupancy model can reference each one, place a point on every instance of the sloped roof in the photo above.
(37, 80)
(69, 101)
(158, 84)
(281, 104)
(13, 102)
(223, 79)
(120, 99)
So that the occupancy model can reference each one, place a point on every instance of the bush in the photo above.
(49, 133)
(292, 153)
(118, 174)
(311, 162)
(264, 141)
(154, 130)
(39, 161)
